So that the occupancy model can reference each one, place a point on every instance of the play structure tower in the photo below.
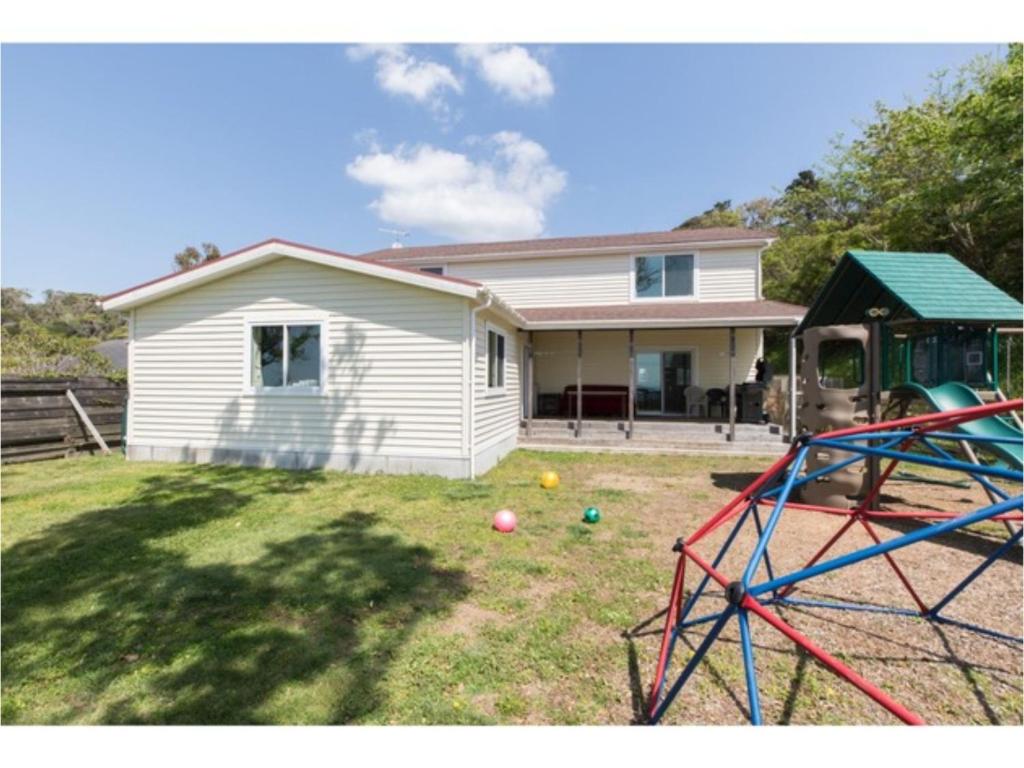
(887, 329)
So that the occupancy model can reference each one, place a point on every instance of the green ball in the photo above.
(591, 515)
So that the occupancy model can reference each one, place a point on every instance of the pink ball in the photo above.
(505, 520)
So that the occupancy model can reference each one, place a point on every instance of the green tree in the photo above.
(191, 256)
(66, 313)
(30, 349)
(721, 214)
(941, 175)
(14, 305)
(78, 314)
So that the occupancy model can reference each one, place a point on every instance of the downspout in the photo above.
(760, 268)
(472, 382)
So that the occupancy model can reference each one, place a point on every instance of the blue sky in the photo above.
(117, 156)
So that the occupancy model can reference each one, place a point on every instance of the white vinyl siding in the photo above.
(729, 275)
(495, 411)
(558, 282)
(394, 366)
(720, 275)
(606, 355)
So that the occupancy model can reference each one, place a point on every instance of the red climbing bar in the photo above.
(833, 663)
(742, 498)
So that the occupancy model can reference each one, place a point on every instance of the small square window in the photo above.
(285, 357)
(658, 277)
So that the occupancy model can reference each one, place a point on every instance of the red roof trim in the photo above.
(278, 240)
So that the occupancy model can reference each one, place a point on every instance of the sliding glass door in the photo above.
(676, 369)
(648, 382)
(661, 380)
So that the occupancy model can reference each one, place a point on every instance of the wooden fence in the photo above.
(38, 421)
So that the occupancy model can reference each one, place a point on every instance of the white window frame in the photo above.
(695, 296)
(498, 330)
(285, 391)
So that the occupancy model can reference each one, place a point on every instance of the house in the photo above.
(430, 359)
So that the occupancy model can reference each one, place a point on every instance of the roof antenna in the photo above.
(398, 234)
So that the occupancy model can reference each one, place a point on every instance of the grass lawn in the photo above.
(160, 593)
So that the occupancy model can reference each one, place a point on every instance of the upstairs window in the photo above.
(285, 357)
(433, 270)
(659, 277)
(495, 359)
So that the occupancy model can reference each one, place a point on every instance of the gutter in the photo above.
(433, 258)
(663, 323)
(503, 308)
(472, 378)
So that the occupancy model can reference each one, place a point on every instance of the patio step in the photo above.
(655, 437)
(650, 447)
(706, 426)
(655, 430)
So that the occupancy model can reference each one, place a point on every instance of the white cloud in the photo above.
(511, 70)
(401, 73)
(501, 195)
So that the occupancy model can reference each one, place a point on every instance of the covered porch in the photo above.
(689, 373)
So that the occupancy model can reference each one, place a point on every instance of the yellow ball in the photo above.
(549, 480)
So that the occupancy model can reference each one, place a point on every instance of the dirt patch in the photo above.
(468, 619)
(619, 482)
(942, 672)
(541, 590)
(486, 703)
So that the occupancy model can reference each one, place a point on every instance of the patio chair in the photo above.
(695, 404)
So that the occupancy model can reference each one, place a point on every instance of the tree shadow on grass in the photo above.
(125, 620)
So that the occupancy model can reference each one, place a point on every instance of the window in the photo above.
(285, 357)
(841, 364)
(433, 270)
(495, 359)
(663, 276)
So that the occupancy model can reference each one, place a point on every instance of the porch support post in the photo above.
(579, 383)
(732, 384)
(874, 390)
(529, 384)
(792, 385)
(631, 404)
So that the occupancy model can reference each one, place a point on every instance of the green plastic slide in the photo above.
(953, 395)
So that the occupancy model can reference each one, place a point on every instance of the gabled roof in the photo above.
(927, 287)
(683, 314)
(274, 248)
(718, 236)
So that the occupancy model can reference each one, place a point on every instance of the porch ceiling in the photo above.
(689, 314)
